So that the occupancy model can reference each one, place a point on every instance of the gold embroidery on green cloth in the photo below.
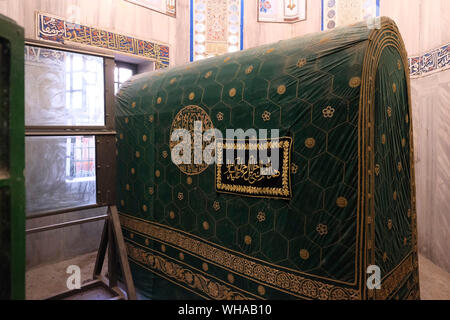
(284, 281)
(174, 271)
(247, 179)
(185, 119)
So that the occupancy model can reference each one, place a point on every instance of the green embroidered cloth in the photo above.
(341, 98)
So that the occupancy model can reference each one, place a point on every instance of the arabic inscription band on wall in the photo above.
(51, 28)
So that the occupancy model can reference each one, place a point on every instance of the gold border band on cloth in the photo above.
(290, 283)
(387, 36)
(173, 271)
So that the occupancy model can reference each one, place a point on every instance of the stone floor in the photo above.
(49, 280)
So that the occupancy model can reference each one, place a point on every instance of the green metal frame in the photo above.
(14, 34)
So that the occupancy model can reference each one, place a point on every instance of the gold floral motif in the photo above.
(144, 87)
(181, 256)
(248, 240)
(232, 92)
(385, 257)
(205, 266)
(173, 80)
(158, 173)
(395, 195)
(147, 242)
(172, 215)
(189, 180)
(133, 105)
(230, 278)
(126, 120)
(301, 62)
(205, 225)
(208, 74)
(341, 202)
(310, 143)
(354, 82)
(407, 118)
(138, 154)
(165, 154)
(151, 119)
(220, 116)
(187, 277)
(216, 205)
(122, 203)
(121, 136)
(294, 168)
(132, 235)
(249, 69)
(127, 187)
(144, 208)
(377, 169)
(399, 65)
(281, 89)
(389, 112)
(389, 224)
(304, 254)
(297, 284)
(322, 229)
(133, 171)
(394, 87)
(227, 59)
(180, 196)
(144, 138)
(383, 139)
(328, 112)
(270, 50)
(191, 96)
(163, 248)
(399, 167)
(403, 142)
(151, 190)
(261, 217)
(266, 116)
(159, 100)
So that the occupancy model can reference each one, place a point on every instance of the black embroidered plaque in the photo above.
(248, 168)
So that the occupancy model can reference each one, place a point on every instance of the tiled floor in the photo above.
(46, 281)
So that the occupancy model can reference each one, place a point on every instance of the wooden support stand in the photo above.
(101, 287)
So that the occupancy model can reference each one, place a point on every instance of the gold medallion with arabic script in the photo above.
(185, 119)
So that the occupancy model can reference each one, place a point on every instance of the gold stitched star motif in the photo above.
(266, 116)
(216, 205)
(399, 167)
(328, 112)
(249, 69)
(220, 116)
(165, 154)
(180, 196)
(294, 168)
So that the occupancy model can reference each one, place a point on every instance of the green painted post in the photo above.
(12, 162)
